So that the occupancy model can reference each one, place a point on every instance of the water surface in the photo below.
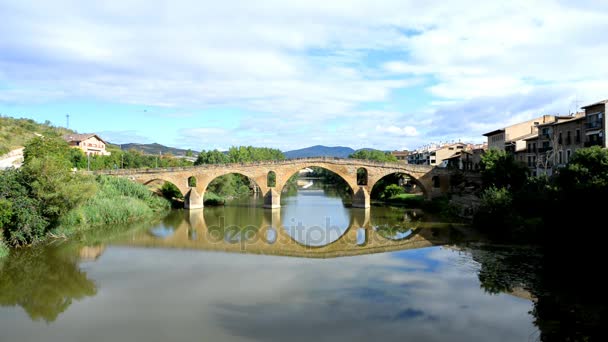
(315, 269)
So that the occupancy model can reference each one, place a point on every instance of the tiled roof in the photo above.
(81, 137)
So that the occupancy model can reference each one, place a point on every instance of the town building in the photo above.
(513, 138)
(547, 143)
(595, 124)
(402, 156)
(459, 155)
(90, 144)
(466, 159)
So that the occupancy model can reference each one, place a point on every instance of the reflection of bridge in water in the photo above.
(271, 238)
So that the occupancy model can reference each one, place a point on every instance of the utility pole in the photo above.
(88, 162)
(67, 118)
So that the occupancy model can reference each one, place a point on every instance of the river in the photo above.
(314, 269)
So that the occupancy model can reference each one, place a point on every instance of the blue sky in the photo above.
(290, 74)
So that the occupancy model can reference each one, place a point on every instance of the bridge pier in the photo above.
(272, 199)
(193, 200)
(361, 198)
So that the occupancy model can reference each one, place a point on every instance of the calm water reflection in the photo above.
(434, 285)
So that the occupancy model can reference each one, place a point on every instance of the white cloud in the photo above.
(311, 62)
(407, 131)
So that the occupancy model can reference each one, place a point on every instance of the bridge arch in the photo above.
(182, 189)
(203, 187)
(400, 178)
(350, 180)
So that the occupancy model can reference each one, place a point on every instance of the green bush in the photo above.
(4, 251)
(392, 191)
(21, 219)
(213, 199)
(409, 200)
(118, 201)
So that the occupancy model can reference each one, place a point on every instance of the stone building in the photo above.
(90, 144)
(402, 156)
(513, 138)
(595, 124)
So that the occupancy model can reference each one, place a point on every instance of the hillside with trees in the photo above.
(15, 133)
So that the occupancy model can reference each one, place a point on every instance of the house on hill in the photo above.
(90, 144)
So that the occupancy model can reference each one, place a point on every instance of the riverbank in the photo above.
(117, 201)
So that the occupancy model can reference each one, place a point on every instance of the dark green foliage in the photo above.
(501, 170)
(21, 217)
(248, 154)
(374, 155)
(543, 209)
(586, 171)
(211, 157)
(240, 154)
(42, 147)
(170, 191)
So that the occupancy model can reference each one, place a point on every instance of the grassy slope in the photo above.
(15, 133)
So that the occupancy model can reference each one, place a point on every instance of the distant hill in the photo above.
(156, 149)
(320, 151)
(15, 133)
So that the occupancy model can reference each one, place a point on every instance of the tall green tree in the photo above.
(374, 155)
(500, 169)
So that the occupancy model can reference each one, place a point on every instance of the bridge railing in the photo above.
(362, 162)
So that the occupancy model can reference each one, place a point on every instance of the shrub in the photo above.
(392, 190)
(4, 251)
(213, 199)
(21, 218)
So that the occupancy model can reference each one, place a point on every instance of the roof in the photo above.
(595, 104)
(81, 137)
(524, 137)
(531, 137)
(502, 130)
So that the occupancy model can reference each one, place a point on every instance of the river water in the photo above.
(314, 269)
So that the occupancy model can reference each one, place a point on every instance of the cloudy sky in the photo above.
(290, 74)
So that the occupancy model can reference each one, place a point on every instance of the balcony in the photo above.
(593, 124)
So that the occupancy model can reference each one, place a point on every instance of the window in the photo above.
(568, 155)
(559, 138)
(559, 157)
(568, 138)
(578, 135)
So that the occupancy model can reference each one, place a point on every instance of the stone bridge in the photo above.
(272, 238)
(431, 180)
